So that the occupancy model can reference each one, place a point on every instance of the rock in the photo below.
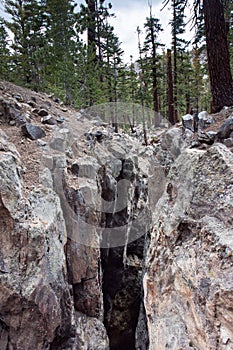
(187, 121)
(173, 142)
(41, 143)
(32, 131)
(188, 268)
(226, 129)
(98, 135)
(228, 142)
(60, 120)
(42, 112)
(204, 120)
(207, 137)
(88, 136)
(48, 119)
(91, 334)
(9, 110)
(18, 97)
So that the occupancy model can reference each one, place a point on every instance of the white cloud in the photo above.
(130, 14)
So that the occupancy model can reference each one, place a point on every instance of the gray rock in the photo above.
(173, 142)
(98, 135)
(41, 143)
(60, 119)
(48, 119)
(228, 142)
(226, 129)
(207, 137)
(18, 97)
(43, 112)
(188, 270)
(33, 132)
(204, 120)
(187, 121)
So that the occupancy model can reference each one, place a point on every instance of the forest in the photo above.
(42, 48)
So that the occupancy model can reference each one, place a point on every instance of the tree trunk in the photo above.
(174, 40)
(218, 55)
(154, 73)
(171, 116)
(91, 30)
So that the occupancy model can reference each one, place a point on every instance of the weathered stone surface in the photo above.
(207, 137)
(187, 121)
(204, 120)
(188, 278)
(48, 119)
(43, 112)
(67, 282)
(91, 333)
(226, 129)
(34, 132)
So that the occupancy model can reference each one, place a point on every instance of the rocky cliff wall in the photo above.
(106, 243)
(188, 283)
(74, 213)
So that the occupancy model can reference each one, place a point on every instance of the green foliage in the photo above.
(4, 51)
(48, 54)
(25, 24)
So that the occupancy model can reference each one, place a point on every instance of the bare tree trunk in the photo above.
(171, 116)
(91, 30)
(218, 55)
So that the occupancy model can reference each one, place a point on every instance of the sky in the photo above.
(132, 13)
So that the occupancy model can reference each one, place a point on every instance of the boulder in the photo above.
(188, 279)
(204, 120)
(33, 132)
(187, 121)
(43, 112)
(226, 129)
(48, 119)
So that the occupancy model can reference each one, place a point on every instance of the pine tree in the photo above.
(25, 24)
(151, 44)
(61, 46)
(4, 51)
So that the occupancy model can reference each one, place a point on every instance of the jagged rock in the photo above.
(48, 119)
(98, 135)
(60, 291)
(60, 119)
(33, 132)
(189, 261)
(207, 137)
(41, 143)
(91, 333)
(228, 142)
(173, 142)
(42, 112)
(226, 129)
(18, 98)
(187, 121)
(9, 110)
(204, 120)
(88, 136)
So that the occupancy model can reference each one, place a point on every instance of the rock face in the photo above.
(66, 282)
(188, 283)
(106, 244)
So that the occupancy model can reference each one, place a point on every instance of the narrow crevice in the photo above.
(122, 267)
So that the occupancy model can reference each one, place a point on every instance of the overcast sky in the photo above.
(133, 13)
